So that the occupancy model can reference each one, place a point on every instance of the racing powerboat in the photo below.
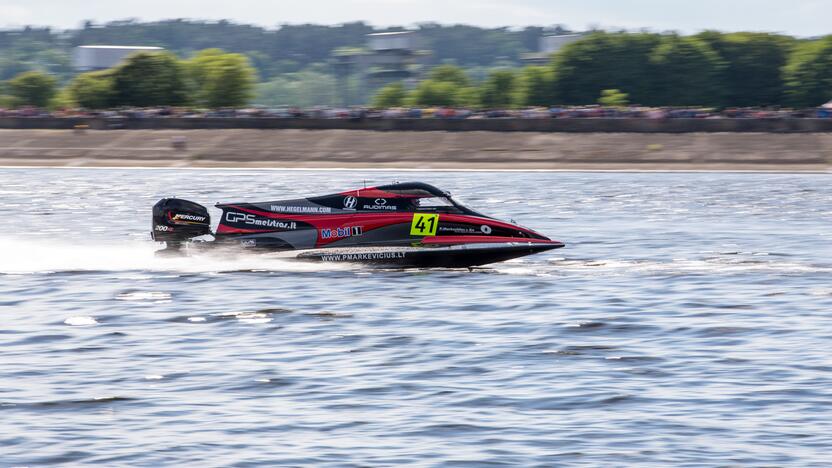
(403, 225)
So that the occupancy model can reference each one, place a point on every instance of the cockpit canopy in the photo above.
(406, 197)
(414, 189)
(418, 196)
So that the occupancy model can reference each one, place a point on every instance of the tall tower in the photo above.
(387, 58)
(394, 57)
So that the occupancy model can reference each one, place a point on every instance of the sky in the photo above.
(803, 18)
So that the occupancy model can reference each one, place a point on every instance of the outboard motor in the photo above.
(177, 221)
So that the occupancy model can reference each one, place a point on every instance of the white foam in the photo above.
(81, 321)
(24, 256)
(719, 265)
(139, 296)
(247, 317)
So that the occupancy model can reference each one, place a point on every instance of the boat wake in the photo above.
(20, 256)
(24, 256)
(708, 264)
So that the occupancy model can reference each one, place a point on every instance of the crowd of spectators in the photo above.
(360, 113)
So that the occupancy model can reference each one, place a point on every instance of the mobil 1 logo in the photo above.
(342, 233)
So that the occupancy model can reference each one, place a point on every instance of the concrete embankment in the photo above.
(418, 150)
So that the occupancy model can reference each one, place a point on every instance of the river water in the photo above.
(688, 322)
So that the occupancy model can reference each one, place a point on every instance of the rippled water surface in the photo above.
(688, 322)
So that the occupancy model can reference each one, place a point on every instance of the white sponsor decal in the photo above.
(363, 257)
(380, 207)
(457, 230)
(187, 217)
(301, 209)
(486, 229)
(252, 220)
(161, 228)
(350, 203)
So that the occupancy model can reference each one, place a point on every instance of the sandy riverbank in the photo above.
(418, 150)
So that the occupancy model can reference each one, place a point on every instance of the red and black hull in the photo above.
(402, 225)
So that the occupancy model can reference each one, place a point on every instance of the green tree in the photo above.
(753, 71)
(534, 87)
(468, 97)
(498, 90)
(150, 79)
(32, 89)
(613, 98)
(450, 74)
(6, 101)
(197, 69)
(687, 72)
(602, 60)
(808, 74)
(306, 88)
(94, 90)
(63, 100)
(434, 93)
(393, 95)
(221, 79)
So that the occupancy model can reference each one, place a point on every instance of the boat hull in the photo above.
(456, 256)
(400, 225)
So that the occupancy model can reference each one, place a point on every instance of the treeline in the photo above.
(286, 49)
(710, 69)
(210, 79)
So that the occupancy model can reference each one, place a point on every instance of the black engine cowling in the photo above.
(177, 221)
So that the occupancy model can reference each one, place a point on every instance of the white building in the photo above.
(401, 40)
(102, 57)
(552, 44)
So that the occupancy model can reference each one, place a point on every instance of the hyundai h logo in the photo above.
(350, 203)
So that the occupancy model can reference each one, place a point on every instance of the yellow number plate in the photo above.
(424, 225)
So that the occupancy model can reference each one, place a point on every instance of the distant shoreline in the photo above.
(600, 168)
(373, 150)
(498, 125)
(743, 170)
